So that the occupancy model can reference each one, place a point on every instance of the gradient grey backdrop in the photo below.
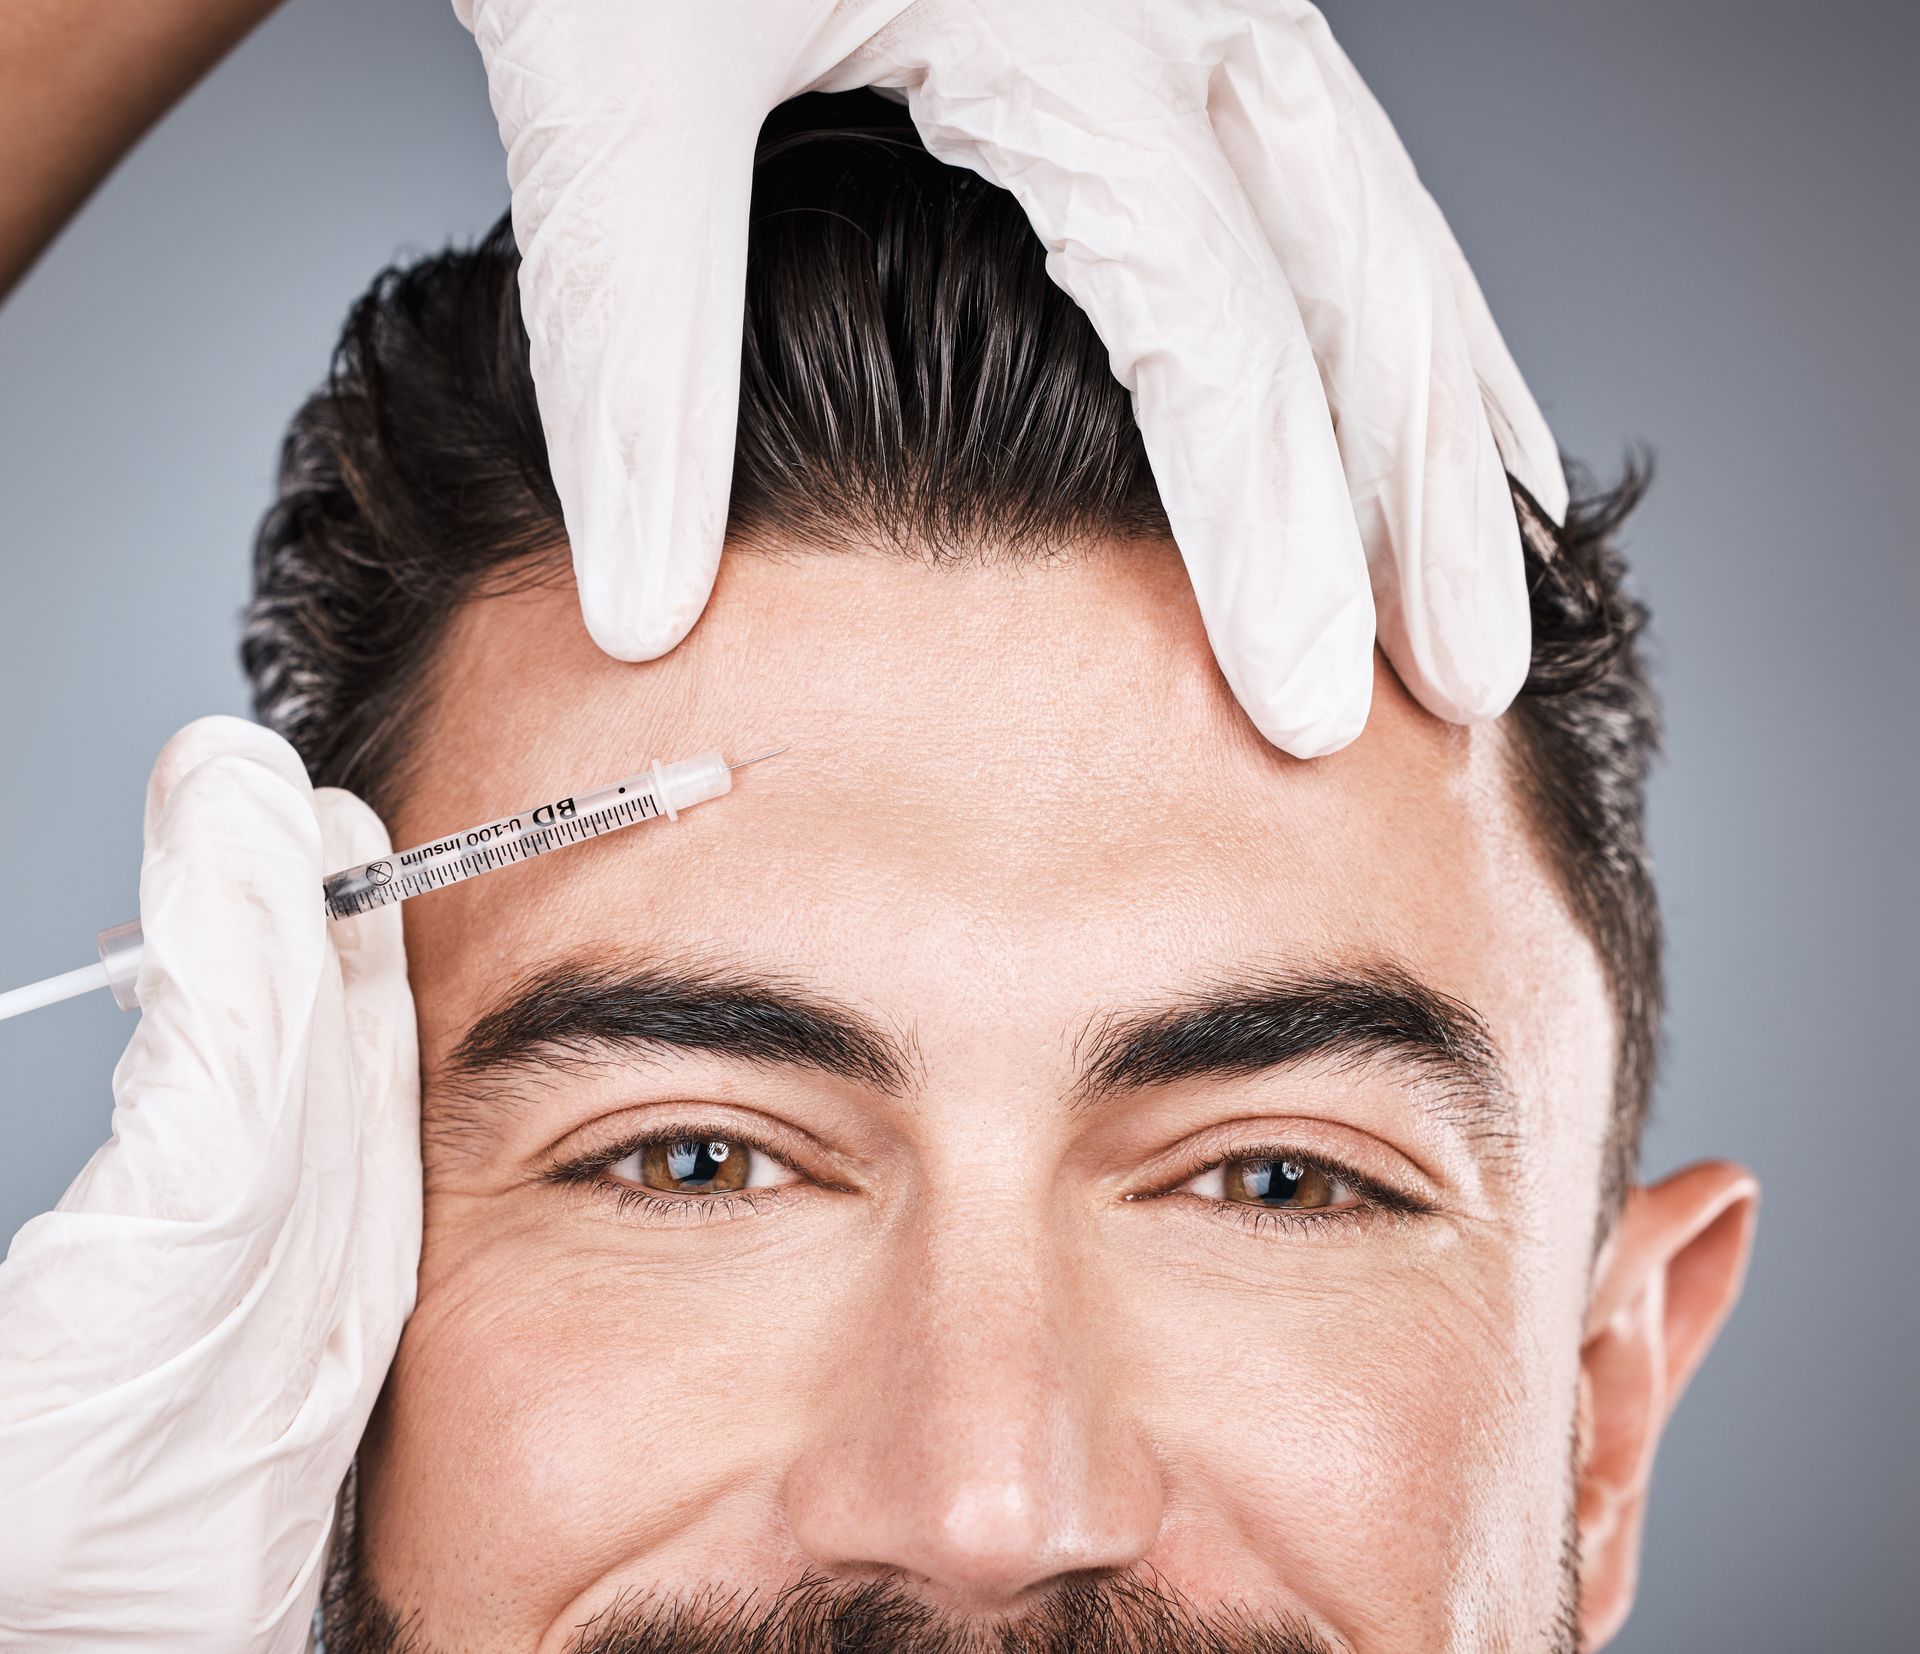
(1695, 224)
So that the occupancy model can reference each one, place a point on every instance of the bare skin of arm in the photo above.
(80, 82)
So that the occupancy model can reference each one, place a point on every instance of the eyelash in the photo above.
(1377, 1200)
(584, 1176)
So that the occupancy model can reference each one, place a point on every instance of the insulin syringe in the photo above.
(662, 790)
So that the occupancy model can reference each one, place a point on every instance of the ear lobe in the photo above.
(1667, 1280)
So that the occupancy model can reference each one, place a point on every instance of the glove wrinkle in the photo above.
(1218, 191)
(197, 1334)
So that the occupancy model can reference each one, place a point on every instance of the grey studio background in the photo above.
(1695, 223)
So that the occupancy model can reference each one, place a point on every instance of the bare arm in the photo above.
(80, 82)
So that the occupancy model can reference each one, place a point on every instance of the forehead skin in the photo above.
(1017, 798)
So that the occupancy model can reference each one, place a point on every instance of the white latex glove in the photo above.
(1215, 187)
(191, 1342)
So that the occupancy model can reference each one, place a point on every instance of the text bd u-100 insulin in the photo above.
(547, 815)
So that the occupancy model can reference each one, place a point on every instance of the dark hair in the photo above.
(910, 377)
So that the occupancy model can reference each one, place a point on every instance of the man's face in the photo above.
(1159, 1159)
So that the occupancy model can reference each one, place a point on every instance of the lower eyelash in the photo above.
(628, 1198)
(1309, 1223)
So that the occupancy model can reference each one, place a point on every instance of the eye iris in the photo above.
(693, 1166)
(1289, 1183)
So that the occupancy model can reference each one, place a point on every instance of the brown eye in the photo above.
(692, 1166)
(1295, 1185)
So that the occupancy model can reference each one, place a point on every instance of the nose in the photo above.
(977, 1442)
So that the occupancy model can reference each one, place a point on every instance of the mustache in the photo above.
(1118, 1615)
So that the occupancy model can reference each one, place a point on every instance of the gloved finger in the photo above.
(166, 1229)
(640, 398)
(219, 736)
(1526, 443)
(351, 834)
(630, 210)
(1148, 230)
(355, 1232)
(381, 1031)
(1422, 467)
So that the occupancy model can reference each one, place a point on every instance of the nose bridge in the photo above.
(982, 1441)
(994, 1349)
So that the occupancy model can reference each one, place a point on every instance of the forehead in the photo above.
(1015, 794)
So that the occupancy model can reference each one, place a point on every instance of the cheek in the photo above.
(1380, 1436)
(570, 1396)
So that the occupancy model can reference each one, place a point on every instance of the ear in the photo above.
(1667, 1278)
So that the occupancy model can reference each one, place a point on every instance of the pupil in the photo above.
(1277, 1182)
(695, 1162)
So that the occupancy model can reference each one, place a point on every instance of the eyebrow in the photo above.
(568, 1011)
(1379, 1014)
(572, 1011)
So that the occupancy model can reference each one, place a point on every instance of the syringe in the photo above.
(662, 790)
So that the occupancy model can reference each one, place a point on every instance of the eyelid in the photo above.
(610, 1086)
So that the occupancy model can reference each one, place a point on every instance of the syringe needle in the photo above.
(744, 762)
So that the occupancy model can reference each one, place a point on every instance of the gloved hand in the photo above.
(1216, 188)
(191, 1342)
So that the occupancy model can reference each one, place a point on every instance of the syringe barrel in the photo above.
(666, 790)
